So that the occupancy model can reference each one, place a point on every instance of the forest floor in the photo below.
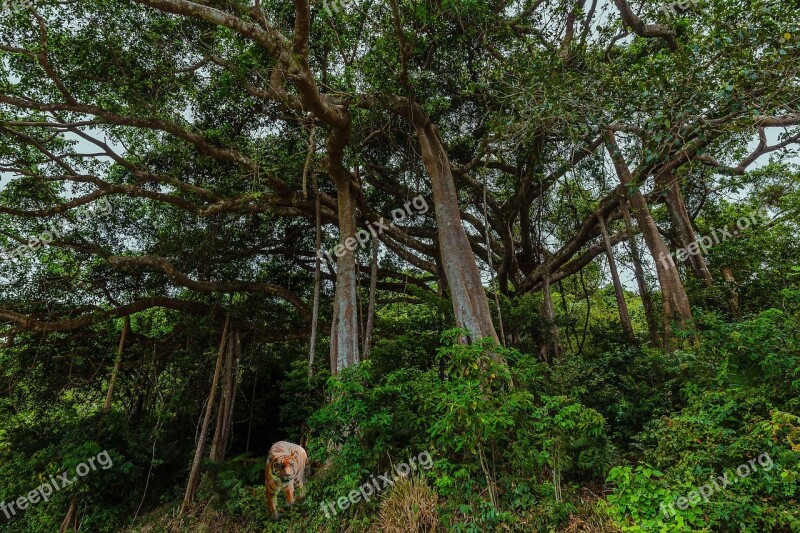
(203, 517)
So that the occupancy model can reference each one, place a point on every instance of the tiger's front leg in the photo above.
(301, 490)
(271, 492)
(273, 512)
(289, 492)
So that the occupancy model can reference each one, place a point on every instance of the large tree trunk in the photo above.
(682, 224)
(676, 302)
(622, 306)
(644, 291)
(344, 329)
(470, 304)
(194, 474)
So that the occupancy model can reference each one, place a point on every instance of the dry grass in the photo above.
(410, 507)
(588, 519)
(592, 525)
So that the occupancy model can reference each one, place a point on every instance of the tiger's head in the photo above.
(284, 467)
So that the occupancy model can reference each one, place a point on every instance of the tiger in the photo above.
(286, 464)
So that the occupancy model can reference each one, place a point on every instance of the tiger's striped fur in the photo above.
(286, 464)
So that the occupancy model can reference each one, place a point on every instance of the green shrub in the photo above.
(501, 440)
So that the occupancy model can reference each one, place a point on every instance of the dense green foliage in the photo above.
(646, 426)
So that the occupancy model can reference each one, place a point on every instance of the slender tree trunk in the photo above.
(733, 301)
(252, 405)
(470, 304)
(215, 453)
(622, 306)
(312, 343)
(344, 329)
(237, 357)
(222, 429)
(144, 387)
(565, 309)
(682, 224)
(373, 288)
(152, 383)
(70, 521)
(234, 389)
(126, 325)
(644, 291)
(550, 346)
(309, 165)
(194, 473)
(362, 319)
(491, 269)
(676, 302)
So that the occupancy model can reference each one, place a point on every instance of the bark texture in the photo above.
(344, 327)
(470, 304)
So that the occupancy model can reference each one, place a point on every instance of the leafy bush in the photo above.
(747, 413)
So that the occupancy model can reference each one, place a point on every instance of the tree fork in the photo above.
(679, 215)
(676, 302)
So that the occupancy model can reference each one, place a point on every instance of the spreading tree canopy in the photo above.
(182, 154)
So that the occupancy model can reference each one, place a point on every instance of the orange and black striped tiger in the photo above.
(286, 464)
